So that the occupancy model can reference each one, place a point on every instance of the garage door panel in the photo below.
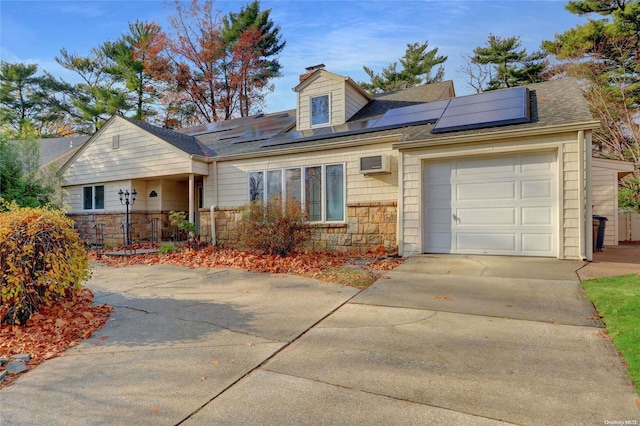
(537, 216)
(440, 242)
(438, 171)
(486, 242)
(439, 217)
(484, 166)
(500, 205)
(537, 243)
(538, 162)
(537, 189)
(484, 191)
(486, 216)
(439, 193)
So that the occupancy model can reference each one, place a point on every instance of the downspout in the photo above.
(213, 171)
(212, 211)
(581, 195)
(589, 201)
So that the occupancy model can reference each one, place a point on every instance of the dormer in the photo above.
(327, 99)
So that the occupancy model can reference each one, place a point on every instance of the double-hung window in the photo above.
(318, 189)
(93, 197)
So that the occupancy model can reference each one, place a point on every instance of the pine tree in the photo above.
(512, 65)
(417, 66)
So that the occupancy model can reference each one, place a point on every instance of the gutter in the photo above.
(497, 135)
(201, 158)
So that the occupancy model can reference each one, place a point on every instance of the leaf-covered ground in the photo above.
(321, 266)
(51, 331)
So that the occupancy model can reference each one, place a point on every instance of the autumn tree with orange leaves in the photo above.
(220, 67)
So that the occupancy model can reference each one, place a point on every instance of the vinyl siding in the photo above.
(233, 187)
(604, 182)
(73, 196)
(354, 102)
(139, 155)
(175, 195)
(322, 85)
(566, 145)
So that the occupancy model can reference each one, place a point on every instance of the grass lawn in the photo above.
(617, 300)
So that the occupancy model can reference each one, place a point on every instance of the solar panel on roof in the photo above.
(267, 127)
(349, 128)
(420, 113)
(487, 109)
(287, 138)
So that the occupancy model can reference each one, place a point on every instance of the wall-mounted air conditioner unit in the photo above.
(375, 164)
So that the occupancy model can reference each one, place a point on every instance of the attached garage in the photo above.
(501, 205)
(496, 188)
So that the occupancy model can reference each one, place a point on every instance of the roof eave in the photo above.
(359, 89)
(497, 135)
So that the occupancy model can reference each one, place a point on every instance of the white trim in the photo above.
(400, 211)
(496, 135)
(582, 209)
(555, 203)
(93, 198)
(323, 188)
(589, 199)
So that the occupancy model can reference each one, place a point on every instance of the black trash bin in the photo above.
(602, 223)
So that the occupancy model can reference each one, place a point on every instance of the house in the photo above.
(605, 177)
(418, 170)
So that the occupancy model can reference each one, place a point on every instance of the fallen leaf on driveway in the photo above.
(215, 362)
(203, 378)
(154, 410)
(447, 298)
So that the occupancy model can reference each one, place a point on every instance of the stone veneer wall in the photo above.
(141, 226)
(369, 226)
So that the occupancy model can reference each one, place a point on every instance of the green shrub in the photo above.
(179, 219)
(168, 248)
(42, 261)
(277, 228)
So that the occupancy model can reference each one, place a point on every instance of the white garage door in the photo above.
(491, 205)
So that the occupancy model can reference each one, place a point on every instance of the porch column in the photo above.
(192, 198)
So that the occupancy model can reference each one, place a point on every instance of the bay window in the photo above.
(318, 189)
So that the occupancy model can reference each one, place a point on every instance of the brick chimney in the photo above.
(310, 70)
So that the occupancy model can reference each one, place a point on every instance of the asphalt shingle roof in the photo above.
(551, 103)
(186, 143)
(383, 102)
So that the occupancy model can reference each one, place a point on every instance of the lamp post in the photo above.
(127, 198)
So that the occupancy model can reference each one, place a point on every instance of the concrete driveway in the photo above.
(456, 339)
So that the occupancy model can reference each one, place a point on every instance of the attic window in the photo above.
(320, 110)
(115, 142)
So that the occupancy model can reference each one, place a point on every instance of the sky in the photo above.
(343, 35)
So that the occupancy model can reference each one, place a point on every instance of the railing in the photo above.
(99, 235)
